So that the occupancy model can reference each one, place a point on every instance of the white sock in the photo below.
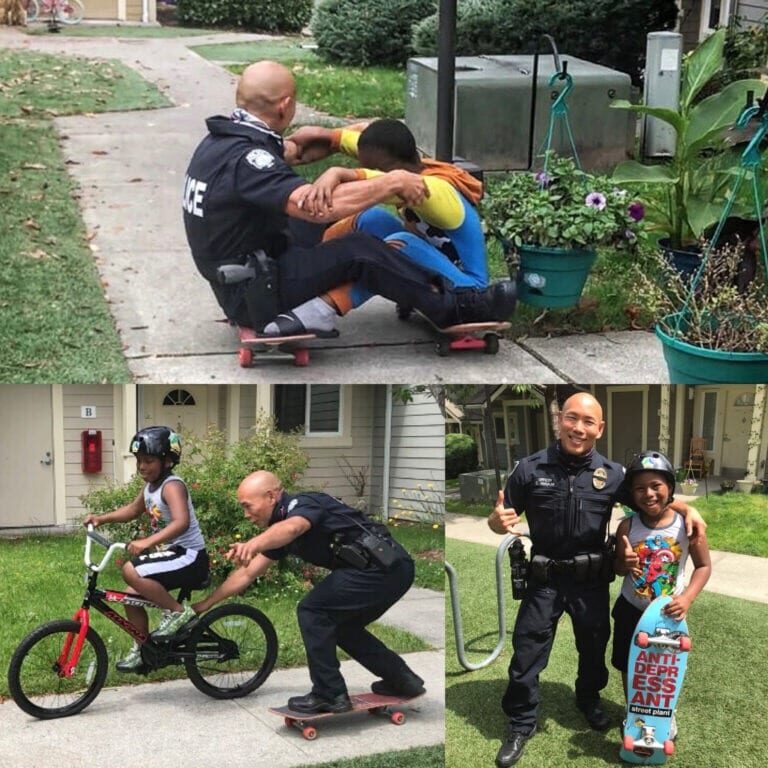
(315, 314)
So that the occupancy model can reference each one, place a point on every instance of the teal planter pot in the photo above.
(689, 364)
(552, 277)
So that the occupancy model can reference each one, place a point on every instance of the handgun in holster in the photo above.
(518, 563)
(262, 296)
(350, 554)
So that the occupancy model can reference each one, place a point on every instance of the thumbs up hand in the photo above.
(631, 558)
(502, 519)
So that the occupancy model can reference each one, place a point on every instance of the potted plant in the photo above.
(745, 485)
(551, 222)
(726, 485)
(685, 196)
(689, 486)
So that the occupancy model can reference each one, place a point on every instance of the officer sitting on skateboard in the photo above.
(240, 196)
(567, 493)
(369, 572)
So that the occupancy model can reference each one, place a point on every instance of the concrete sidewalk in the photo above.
(167, 725)
(130, 168)
(739, 576)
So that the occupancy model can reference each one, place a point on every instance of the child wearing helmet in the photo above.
(651, 552)
(173, 555)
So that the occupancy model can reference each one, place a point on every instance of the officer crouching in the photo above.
(369, 572)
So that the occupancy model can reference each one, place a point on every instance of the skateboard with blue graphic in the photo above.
(658, 658)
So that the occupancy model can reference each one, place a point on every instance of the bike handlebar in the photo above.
(111, 547)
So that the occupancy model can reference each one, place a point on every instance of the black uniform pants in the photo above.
(336, 612)
(588, 606)
(360, 258)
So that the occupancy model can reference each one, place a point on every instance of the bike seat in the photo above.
(185, 592)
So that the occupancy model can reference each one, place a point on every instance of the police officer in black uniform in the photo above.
(369, 572)
(240, 195)
(567, 493)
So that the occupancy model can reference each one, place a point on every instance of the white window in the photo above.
(714, 13)
(314, 409)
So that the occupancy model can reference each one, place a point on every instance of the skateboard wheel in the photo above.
(309, 733)
(669, 747)
(642, 639)
(403, 312)
(245, 356)
(443, 348)
(685, 643)
(301, 357)
(374, 710)
(398, 718)
(491, 344)
(629, 743)
(289, 722)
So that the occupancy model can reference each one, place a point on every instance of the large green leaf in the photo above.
(669, 116)
(713, 115)
(702, 213)
(701, 66)
(632, 172)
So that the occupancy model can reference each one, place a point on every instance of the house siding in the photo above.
(752, 12)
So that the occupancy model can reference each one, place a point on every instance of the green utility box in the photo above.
(493, 107)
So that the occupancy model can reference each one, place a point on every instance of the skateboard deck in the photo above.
(484, 336)
(275, 347)
(373, 703)
(658, 658)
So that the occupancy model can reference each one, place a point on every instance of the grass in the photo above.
(330, 88)
(54, 321)
(427, 546)
(738, 522)
(723, 705)
(116, 30)
(42, 581)
(418, 757)
(459, 507)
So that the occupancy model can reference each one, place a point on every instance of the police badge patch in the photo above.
(292, 504)
(260, 159)
(599, 478)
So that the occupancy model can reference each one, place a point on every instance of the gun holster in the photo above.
(349, 554)
(262, 294)
(518, 564)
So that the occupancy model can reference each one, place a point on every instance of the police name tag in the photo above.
(599, 478)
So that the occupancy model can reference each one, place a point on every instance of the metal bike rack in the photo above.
(506, 542)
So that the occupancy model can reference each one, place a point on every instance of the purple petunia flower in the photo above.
(595, 200)
(636, 211)
(543, 179)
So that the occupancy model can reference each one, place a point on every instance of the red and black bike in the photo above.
(61, 666)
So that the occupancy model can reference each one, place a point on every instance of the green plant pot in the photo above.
(552, 277)
(685, 260)
(689, 364)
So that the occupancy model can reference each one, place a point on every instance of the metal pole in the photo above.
(446, 79)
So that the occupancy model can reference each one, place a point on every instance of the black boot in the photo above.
(408, 686)
(311, 703)
(494, 303)
(597, 719)
(512, 749)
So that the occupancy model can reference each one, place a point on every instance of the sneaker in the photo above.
(172, 622)
(131, 662)
(494, 303)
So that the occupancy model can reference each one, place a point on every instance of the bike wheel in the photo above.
(231, 651)
(33, 11)
(33, 676)
(69, 11)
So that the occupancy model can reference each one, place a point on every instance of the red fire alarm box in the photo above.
(91, 450)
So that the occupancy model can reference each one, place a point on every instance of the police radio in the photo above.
(518, 563)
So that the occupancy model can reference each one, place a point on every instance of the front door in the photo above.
(26, 456)
(738, 420)
(625, 424)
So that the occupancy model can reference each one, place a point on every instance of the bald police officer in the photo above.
(369, 572)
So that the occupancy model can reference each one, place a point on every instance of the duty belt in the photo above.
(588, 567)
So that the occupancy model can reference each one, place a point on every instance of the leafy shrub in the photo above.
(608, 32)
(212, 470)
(357, 32)
(266, 15)
(460, 455)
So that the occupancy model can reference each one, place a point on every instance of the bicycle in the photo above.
(60, 667)
(64, 11)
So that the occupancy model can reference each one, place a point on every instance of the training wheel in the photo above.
(301, 357)
(629, 743)
(491, 344)
(443, 348)
(642, 639)
(309, 733)
(685, 643)
(398, 718)
(245, 356)
(669, 747)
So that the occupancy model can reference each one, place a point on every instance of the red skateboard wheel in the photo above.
(629, 743)
(245, 356)
(398, 718)
(301, 357)
(685, 643)
(309, 733)
(669, 747)
(642, 639)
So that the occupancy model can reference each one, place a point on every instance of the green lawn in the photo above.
(722, 709)
(116, 30)
(54, 321)
(419, 757)
(43, 580)
(738, 522)
(427, 545)
(478, 509)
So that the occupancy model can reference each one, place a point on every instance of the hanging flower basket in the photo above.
(552, 277)
(689, 487)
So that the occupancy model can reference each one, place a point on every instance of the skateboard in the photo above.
(657, 661)
(464, 336)
(373, 703)
(275, 347)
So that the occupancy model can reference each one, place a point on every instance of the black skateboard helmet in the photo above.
(162, 442)
(651, 461)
